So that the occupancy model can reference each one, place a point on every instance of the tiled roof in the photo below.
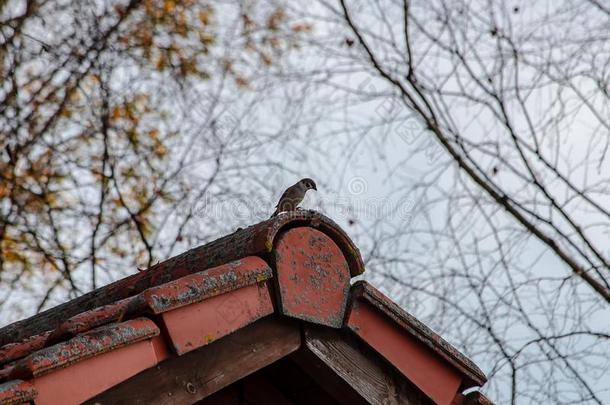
(296, 266)
(363, 294)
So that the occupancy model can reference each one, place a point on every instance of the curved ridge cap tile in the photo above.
(16, 392)
(206, 284)
(96, 341)
(5, 371)
(269, 229)
(363, 290)
(259, 238)
(93, 318)
(79, 323)
(14, 351)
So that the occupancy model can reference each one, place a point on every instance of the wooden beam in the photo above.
(231, 395)
(280, 383)
(202, 372)
(345, 356)
(326, 378)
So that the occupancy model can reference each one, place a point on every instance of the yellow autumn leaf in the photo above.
(206, 38)
(241, 81)
(4, 190)
(117, 112)
(160, 150)
(10, 256)
(275, 19)
(66, 112)
(161, 62)
(267, 60)
(205, 15)
(154, 134)
(301, 27)
(169, 6)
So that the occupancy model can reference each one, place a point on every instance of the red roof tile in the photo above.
(308, 262)
(296, 265)
(415, 350)
(407, 322)
(95, 342)
(16, 392)
(199, 286)
(14, 351)
(256, 240)
(155, 300)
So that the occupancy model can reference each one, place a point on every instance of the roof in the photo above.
(290, 273)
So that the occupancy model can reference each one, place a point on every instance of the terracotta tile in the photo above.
(363, 291)
(437, 379)
(200, 286)
(88, 320)
(85, 379)
(199, 324)
(90, 344)
(256, 240)
(16, 392)
(13, 351)
(313, 277)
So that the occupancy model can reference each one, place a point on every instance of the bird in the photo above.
(294, 195)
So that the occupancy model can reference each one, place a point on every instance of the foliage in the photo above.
(92, 156)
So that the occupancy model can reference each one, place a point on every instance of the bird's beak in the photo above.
(314, 187)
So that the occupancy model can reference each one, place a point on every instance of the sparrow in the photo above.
(294, 195)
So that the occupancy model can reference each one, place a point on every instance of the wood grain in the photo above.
(196, 375)
(373, 379)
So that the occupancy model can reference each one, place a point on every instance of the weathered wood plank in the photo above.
(196, 375)
(326, 378)
(231, 395)
(372, 378)
(280, 383)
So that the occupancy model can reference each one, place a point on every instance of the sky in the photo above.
(323, 113)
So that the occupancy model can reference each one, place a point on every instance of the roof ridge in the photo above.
(255, 240)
